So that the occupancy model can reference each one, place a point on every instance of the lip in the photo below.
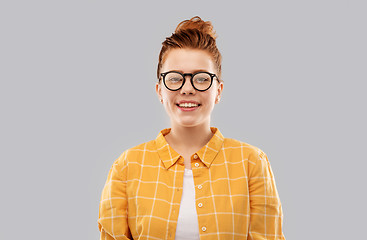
(188, 109)
(186, 101)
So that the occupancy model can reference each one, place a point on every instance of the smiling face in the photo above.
(188, 107)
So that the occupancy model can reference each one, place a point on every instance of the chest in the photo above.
(155, 195)
(187, 160)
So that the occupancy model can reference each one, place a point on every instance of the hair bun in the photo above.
(197, 23)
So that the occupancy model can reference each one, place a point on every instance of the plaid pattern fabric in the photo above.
(235, 192)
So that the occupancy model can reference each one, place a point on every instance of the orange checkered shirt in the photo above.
(233, 182)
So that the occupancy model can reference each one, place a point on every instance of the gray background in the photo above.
(77, 89)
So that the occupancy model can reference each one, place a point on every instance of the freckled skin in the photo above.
(189, 61)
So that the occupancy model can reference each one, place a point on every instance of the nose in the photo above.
(187, 88)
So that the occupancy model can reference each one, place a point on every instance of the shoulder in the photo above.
(137, 152)
(247, 150)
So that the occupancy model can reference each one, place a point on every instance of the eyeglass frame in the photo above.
(212, 75)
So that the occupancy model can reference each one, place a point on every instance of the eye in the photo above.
(202, 80)
(174, 79)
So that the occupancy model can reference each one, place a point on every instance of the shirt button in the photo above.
(203, 228)
(195, 156)
(196, 164)
(200, 187)
(200, 205)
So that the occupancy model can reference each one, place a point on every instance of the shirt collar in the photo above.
(206, 154)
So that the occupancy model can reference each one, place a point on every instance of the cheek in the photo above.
(168, 98)
(211, 98)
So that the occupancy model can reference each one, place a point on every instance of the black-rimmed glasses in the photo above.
(200, 81)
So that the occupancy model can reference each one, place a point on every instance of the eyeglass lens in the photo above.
(201, 81)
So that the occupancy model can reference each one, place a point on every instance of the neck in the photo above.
(190, 137)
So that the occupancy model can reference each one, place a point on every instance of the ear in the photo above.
(158, 90)
(219, 92)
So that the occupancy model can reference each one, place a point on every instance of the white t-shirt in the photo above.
(187, 223)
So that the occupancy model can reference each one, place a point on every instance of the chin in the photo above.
(189, 122)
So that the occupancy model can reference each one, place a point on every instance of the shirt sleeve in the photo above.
(112, 220)
(266, 214)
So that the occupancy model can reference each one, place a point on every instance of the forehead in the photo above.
(188, 60)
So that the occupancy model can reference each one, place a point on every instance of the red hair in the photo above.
(193, 34)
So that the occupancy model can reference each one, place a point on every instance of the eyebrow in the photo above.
(195, 71)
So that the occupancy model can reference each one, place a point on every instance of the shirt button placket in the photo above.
(200, 205)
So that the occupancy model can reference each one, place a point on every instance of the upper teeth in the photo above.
(188, 105)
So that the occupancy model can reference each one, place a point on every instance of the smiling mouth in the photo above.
(188, 105)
